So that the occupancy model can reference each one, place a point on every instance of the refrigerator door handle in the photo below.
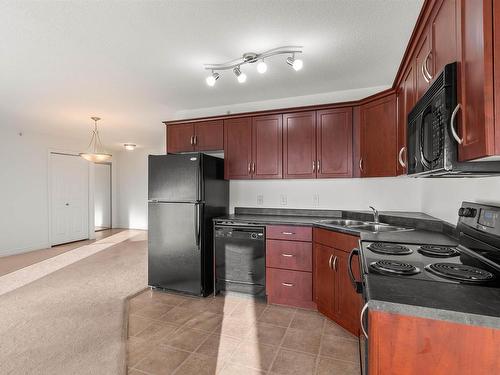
(197, 224)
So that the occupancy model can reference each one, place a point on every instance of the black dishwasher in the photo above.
(240, 259)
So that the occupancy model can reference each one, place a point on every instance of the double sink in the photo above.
(367, 226)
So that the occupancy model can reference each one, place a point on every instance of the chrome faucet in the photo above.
(375, 215)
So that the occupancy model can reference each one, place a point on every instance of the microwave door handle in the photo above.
(452, 126)
(400, 157)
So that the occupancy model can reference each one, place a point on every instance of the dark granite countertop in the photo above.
(269, 216)
(467, 304)
(445, 301)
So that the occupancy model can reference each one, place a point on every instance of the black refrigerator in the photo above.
(185, 192)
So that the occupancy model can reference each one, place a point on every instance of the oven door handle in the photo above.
(357, 285)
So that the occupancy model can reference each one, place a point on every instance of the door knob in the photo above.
(66, 204)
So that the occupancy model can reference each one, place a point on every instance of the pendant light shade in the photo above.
(95, 152)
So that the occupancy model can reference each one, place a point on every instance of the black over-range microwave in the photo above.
(432, 139)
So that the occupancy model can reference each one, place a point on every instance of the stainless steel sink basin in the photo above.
(343, 222)
(378, 228)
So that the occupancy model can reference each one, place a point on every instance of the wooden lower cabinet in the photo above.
(292, 288)
(334, 294)
(409, 345)
(289, 266)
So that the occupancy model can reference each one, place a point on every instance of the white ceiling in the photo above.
(136, 63)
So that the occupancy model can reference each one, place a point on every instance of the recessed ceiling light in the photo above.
(129, 146)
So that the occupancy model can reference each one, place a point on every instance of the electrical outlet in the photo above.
(316, 200)
(283, 199)
(260, 199)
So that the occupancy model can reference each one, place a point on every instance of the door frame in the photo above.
(110, 194)
(90, 203)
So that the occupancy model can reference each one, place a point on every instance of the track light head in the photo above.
(262, 67)
(212, 78)
(242, 77)
(296, 64)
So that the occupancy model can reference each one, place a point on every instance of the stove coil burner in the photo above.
(460, 272)
(389, 248)
(392, 267)
(438, 251)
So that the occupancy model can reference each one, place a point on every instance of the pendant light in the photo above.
(95, 152)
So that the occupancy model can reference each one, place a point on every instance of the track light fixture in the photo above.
(251, 58)
(212, 78)
(297, 64)
(242, 77)
(262, 67)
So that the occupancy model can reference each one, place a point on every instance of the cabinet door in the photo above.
(476, 122)
(299, 145)
(496, 21)
(209, 135)
(378, 138)
(267, 146)
(324, 279)
(444, 35)
(237, 148)
(180, 138)
(347, 301)
(406, 101)
(334, 143)
(423, 65)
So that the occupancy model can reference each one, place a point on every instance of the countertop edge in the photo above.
(435, 314)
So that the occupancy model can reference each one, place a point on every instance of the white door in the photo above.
(102, 196)
(69, 198)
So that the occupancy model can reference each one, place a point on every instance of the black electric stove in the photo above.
(468, 272)
(475, 261)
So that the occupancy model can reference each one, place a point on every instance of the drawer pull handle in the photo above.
(287, 255)
(287, 284)
(288, 233)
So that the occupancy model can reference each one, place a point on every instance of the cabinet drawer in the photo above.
(293, 288)
(288, 232)
(290, 255)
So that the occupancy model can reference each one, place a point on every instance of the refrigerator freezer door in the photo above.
(174, 255)
(175, 178)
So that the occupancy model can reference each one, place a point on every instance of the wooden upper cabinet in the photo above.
(238, 148)
(405, 101)
(476, 121)
(378, 133)
(267, 147)
(180, 138)
(334, 143)
(209, 135)
(444, 35)
(196, 136)
(423, 64)
(299, 145)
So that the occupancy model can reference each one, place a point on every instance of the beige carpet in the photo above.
(71, 320)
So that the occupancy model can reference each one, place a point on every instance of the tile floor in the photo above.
(172, 334)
